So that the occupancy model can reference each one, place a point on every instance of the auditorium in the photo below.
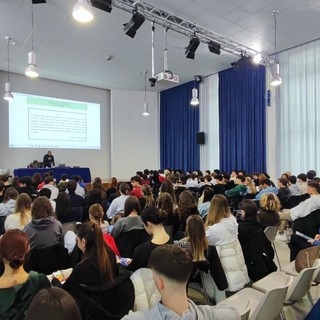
(135, 131)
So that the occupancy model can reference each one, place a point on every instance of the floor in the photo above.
(300, 309)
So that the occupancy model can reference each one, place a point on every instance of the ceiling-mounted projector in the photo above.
(167, 76)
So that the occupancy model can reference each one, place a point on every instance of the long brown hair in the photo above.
(96, 247)
(148, 195)
(23, 206)
(96, 213)
(196, 235)
(165, 202)
(219, 209)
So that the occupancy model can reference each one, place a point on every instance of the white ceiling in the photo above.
(68, 51)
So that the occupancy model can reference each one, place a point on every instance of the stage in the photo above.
(58, 171)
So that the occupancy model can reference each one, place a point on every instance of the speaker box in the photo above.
(201, 138)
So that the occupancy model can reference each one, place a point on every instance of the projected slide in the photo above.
(43, 122)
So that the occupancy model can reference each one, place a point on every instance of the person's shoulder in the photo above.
(149, 314)
(217, 312)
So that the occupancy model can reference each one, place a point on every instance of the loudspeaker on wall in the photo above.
(201, 138)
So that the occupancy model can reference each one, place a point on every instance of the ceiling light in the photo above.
(192, 47)
(134, 24)
(8, 95)
(276, 79)
(82, 11)
(38, 1)
(104, 5)
(31, 70)
(146, 112)
(194, 101)
(214, 47)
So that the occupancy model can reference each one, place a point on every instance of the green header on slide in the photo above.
(56, 103)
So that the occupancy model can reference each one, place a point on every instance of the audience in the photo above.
(64, 210)
(131, 218)
(269, 210)
(7, 206)
(147, 199)
(302, 183)
(49, 184)
(257, 250)
(22, 215)
(53, 304)
(222, 232)
(110, 289)
(171, 267)
(44, 230)
(153, 220)
(45, 192)
(267, 187)
(112, 187)
(117, 205)
(17, 287)
(136, 184)
(25, 186)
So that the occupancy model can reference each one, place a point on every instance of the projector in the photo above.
(167, 76)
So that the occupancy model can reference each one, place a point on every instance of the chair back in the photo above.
(302, 283)
(272, 304)
(271, 232)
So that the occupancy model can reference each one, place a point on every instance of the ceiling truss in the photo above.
(187, 28)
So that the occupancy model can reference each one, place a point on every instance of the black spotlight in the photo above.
(244, 60)
(192, 47)
(134, 24)
(104, 5)
(214, 47)
(198, 78)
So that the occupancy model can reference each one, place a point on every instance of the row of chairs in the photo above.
(267, 297)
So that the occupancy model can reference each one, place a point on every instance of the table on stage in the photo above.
(57, 172)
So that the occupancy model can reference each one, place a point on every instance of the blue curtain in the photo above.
(242, 119)
(179, 123)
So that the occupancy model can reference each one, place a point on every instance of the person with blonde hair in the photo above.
(269, 210)
(22, 215)
(195, 241)
(251, 187)
(222, 232)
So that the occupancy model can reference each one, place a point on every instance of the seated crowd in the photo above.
(65, 242)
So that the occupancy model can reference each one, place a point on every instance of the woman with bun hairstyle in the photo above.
(17, 287)
(153, 220)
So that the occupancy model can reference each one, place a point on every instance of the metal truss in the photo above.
(187, 28)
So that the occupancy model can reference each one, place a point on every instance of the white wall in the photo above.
(97, 160)
(134, 138)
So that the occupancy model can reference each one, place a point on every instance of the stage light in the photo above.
(134, 24)
(192, 47)
(104, 5)
(244, 60)
(146, 112)
(82, 11)
(214, 47)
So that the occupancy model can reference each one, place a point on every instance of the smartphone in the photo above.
(58, 274)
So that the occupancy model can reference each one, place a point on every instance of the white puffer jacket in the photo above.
(146, 293)
(234, 266)
(224, 236)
